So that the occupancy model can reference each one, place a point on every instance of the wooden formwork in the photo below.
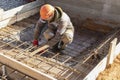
(16, 14)
(114, 50)
(77, 61)
(19, 55)
(8, 73)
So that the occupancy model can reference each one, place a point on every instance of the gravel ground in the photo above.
(9, 4)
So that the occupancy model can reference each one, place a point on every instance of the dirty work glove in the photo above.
(35, 42)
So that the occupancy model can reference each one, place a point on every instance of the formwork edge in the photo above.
(101, 65)
(11, 16)
(24, 68)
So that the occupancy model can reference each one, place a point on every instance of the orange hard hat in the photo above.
(46, 11)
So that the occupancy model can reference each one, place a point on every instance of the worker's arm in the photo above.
(62, 27)
(38, 28)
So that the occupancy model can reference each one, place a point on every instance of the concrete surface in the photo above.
(107, 10)
(9, 4)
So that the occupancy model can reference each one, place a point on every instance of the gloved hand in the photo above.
(35, 42)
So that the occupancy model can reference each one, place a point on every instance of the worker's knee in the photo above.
(48, 34)
(67, 38)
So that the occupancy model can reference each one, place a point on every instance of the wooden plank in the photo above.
(24, 68)
(101, 66)
(21, 9)
(117, 50)
(111, 52)
(19, 17)
(39, 49)
(8, 21)
(1, 13)
(9, 14)
(16, 14)
(27, 14)
(94, 73)
(1, 10)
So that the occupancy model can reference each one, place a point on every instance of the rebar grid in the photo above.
(108, 39)
(53, 64)
(23, 55)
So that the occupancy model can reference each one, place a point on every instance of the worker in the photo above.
(54, 22)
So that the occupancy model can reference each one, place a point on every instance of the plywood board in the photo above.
(24, 68)
(101, 66)
(16, 14)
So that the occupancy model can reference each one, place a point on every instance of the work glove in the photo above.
(35, 42)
